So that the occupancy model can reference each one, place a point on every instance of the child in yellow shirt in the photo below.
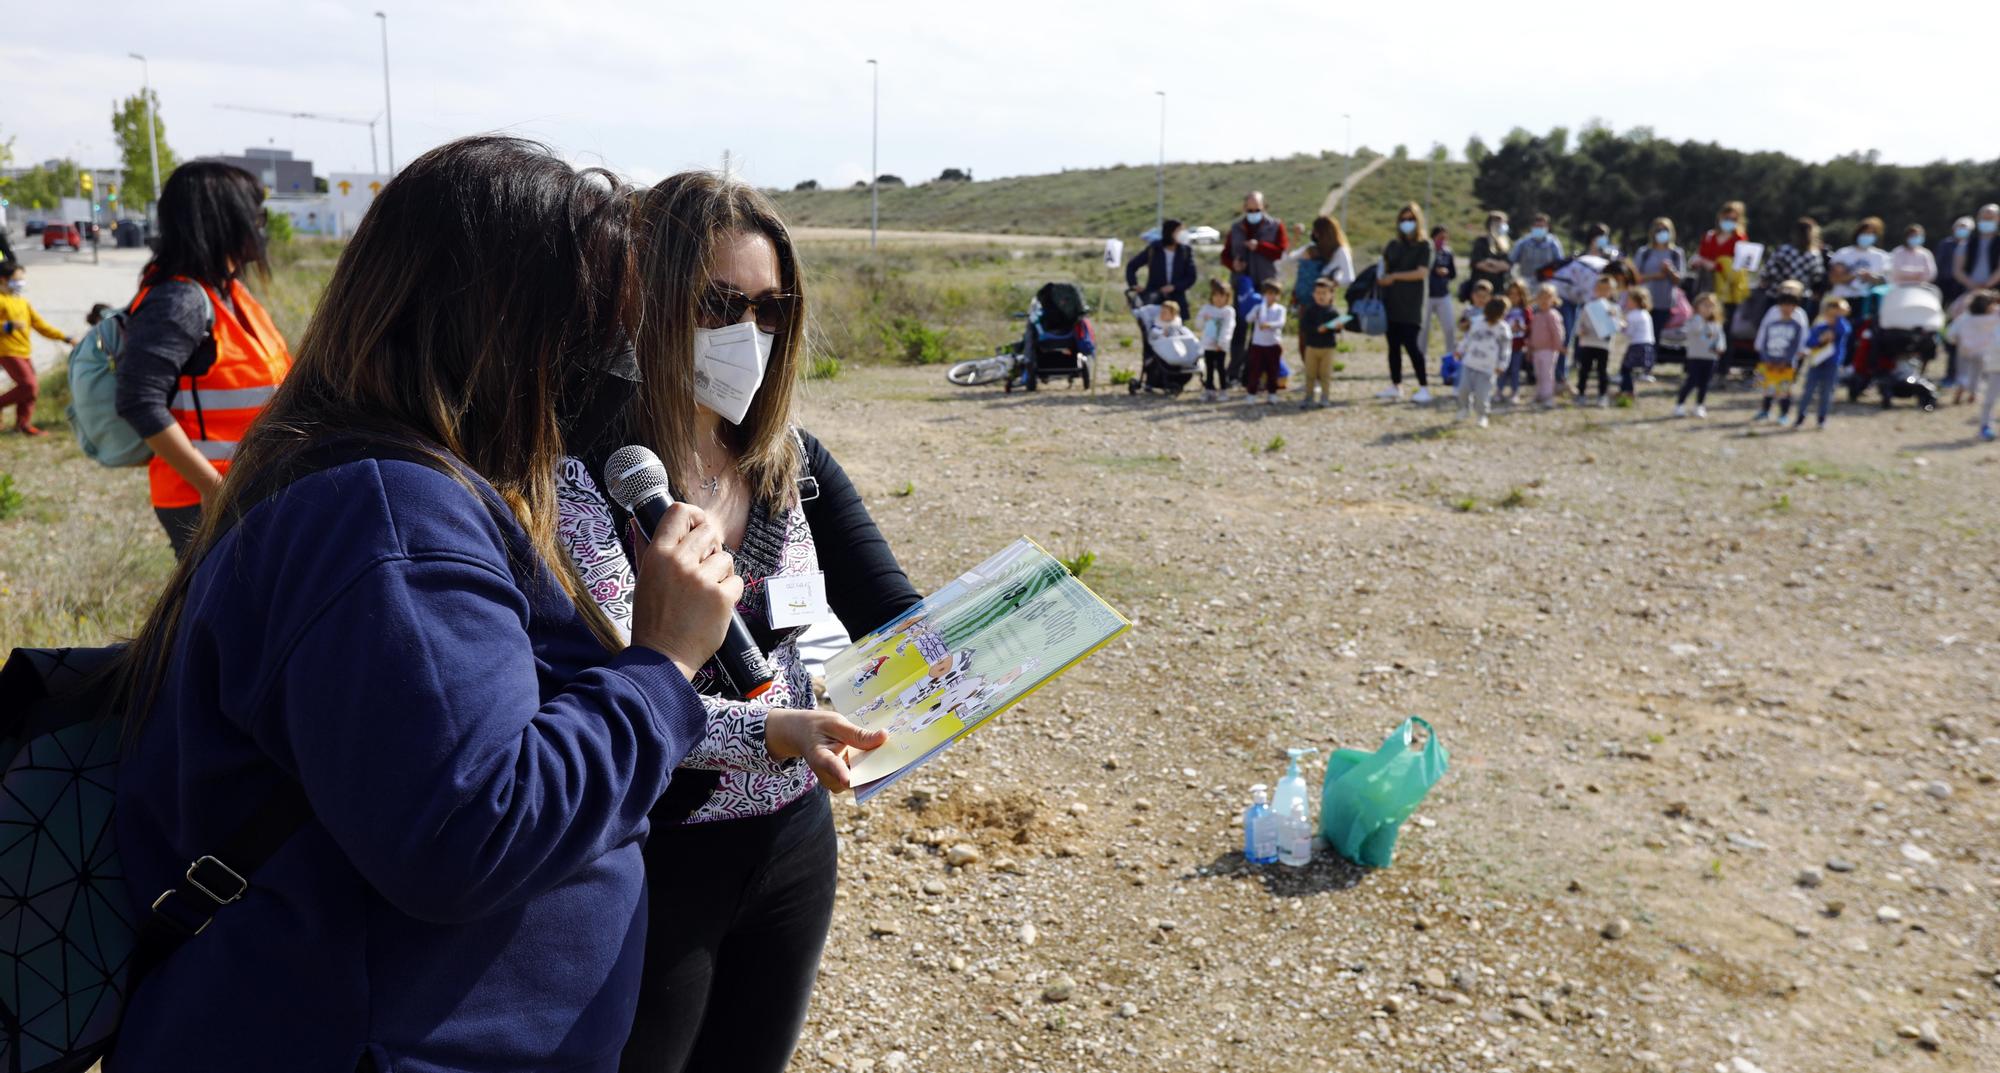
(17, 350)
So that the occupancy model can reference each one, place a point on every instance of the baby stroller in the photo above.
(1897, 340)
(1058, 342)
(1170, 360)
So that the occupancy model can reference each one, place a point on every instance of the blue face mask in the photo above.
(1961, 232)
(1986, 226)
(1914, 241)
(1253, 218)
(1865, 240)
(1727, 227)
(1663, 237)
(1406, 226)
(1538, 232)
(1603, 241)
(1500, 229)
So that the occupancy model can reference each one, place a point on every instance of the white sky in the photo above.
(1004, 87)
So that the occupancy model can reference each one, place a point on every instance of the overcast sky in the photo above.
(1004, 88)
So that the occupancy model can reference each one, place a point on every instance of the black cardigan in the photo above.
(865, 586)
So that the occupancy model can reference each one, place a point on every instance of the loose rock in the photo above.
(1616, 929)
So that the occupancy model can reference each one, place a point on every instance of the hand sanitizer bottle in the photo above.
(1295, 837)
(1260, 829)
(1292, 787)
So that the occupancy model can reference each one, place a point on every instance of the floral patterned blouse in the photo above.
(752, 784)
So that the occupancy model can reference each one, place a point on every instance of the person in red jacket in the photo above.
(1256, 243)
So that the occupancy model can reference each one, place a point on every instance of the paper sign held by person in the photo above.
(967, 652)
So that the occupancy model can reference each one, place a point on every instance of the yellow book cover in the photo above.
(965, 653)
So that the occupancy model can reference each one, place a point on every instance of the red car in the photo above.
(62, 235)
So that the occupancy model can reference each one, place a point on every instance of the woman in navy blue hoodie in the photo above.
(398, 637)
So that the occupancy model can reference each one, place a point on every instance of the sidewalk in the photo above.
(64, 285)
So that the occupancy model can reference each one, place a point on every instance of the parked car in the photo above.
(1196, 236)
(55, 235)
(35, 227)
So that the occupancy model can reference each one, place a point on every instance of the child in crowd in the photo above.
(1517, 322)
(1825, 355)
(1976, 333)
(1267, 325)
(1596, 325)
(1705, 342)
(1480, 359)
(1171, 340)
(1545, 341)
(1639, 341)
(1319, 334)
(1217, 322)
(1779, 340)
(1475, 306)
(17, 350)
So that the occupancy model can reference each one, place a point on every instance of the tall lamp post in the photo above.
(1346, 166)
(388, 111)
(152, 139)
(1160, 214)
(874, 146)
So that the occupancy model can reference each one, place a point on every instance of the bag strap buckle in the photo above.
(213, 880)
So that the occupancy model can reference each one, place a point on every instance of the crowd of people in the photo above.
(1796, 313)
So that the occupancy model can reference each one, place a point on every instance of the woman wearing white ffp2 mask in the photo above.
(740, 860)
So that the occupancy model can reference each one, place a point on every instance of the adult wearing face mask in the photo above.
(1717, 255)
(1406, 268)
(1976, 266)
(1536, 252)
(1490, 258)
(1947, 259)
(1857, 268)
(741, 860)
(1256, 243)
(1910, 263)
(1170, 268)
(1659, 265)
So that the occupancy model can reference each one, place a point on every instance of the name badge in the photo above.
(797, 600)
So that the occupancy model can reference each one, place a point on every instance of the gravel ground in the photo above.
(1721, 708)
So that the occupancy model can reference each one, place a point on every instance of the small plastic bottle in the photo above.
(1260, 829)
(1295, 837)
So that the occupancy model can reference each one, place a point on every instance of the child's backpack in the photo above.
(101, 434)
(1574, 277)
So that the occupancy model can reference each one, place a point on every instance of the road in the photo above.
(63, 286)
(1333, 196)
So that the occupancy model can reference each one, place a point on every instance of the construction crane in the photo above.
(374, 165)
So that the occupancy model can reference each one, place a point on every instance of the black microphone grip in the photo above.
(744, 668)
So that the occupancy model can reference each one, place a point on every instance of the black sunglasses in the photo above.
(722, 306)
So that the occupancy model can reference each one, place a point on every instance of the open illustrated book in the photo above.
(968, 651)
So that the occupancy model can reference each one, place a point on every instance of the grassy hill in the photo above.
(1101, 202)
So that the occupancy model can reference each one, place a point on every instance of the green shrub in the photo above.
(52, 408)
(911, 340)
(277, 228)
(1122, 376)
(1080, 562)
(11, 499)
(823, 367)
(1277, 444)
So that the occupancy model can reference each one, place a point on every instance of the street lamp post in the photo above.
(1346, 166)
(874, 146)
(388, 111)
(152, 139)
(1160, 214)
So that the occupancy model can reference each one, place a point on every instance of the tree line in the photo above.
(1626, 180)
(44, 187)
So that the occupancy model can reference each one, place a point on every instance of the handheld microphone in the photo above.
(637, 481)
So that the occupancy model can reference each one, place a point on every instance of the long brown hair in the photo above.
(678, 228)
(485, 274)
(1327, 237)
(1416, 212)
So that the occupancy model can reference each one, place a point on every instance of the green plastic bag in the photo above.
(1366, 796)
